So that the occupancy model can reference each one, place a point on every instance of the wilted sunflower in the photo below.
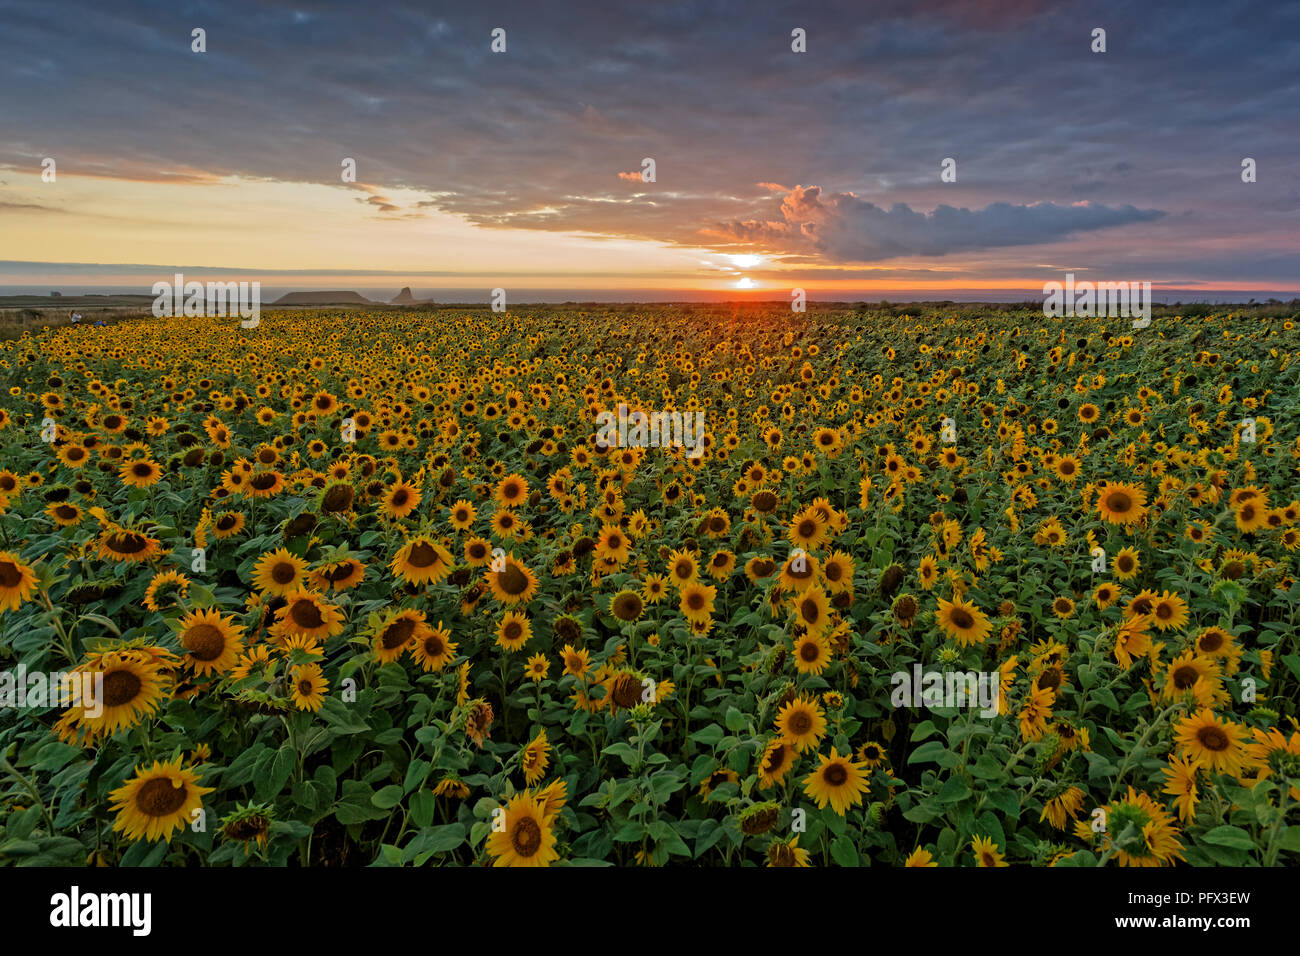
(787, 853)
(1153, 839)
(525, 837)
(247, 825)
(158, 801)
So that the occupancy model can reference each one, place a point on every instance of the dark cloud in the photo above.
(537, 137)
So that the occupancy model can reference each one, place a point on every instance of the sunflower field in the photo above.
(364, 589)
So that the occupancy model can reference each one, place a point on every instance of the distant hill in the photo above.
(324, 298)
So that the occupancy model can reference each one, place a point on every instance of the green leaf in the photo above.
(953, 790)
(387, 798)
(1234, 837)
(934, 750)
(623, 751)
(844, 852)
(735, 720)
(709, 736)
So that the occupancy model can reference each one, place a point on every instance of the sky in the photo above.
(773, 169)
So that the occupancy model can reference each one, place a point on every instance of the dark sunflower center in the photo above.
(809, 651)
(1119, 502)
(810, 611)
(962, 618)
(305, 688)
(1185, 677)
(204, 642)
(512, 631)
(226, 522)
(398, 634)
(160, 798)
(264, 481)
(806, 528)
(400, 498)
(142, 469)
(127, 543)
(433, 645)
(423, 555)
(120, 687)
(526, 837)
(306, 615)
(1212, 738)
(1164, 611)
(283, 573)
(512, 580)
(9, 574)
(1211, 642)
(800, 722)
(835, 774)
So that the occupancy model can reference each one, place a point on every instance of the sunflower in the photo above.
(626, 606)
(811, 654)
(920, 857)
(422, 561)
(1063, 808)
(279, 573)
(214, 642)
(1207, 742)
(522, 834)
(837, 572)
(987, 854)
(264, 484)
(512, 583)
(576, 661)
(535, 758)
(778, 758)
(339, 575)
(781, 853)
(812, 610)
(802, 723)
(435, 649)
(157, 801)
(17, 581)
(166, 589)
(305, 612)
(1169, 611)
(514, 631)
(1122, 504)
(308, 686)
(1155, 841)
(717, 779)
(395, 633)
(1105, 595)
(807, 531)
(614, 544)
(227, 524)
(696, 602)
(125, 545)
(461, 515)
(64, 514)
(134, 685)
(838, 781)
(140, 474)
(871, 755)
(73, 455)
(963, 622)
(399, 500)
(683, 568)
(537, 668)
(512, 491)
(1180, 783)
(928, 572)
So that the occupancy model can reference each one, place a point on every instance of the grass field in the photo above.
(363, 588)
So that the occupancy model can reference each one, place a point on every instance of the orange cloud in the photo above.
(632, 177)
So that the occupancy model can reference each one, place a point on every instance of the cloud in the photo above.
(632, 177)
(845, 228)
